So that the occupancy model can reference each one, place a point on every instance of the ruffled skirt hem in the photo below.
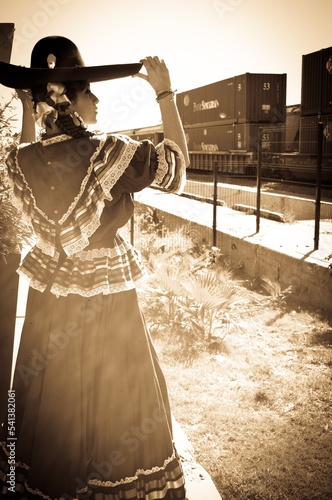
(164, 483)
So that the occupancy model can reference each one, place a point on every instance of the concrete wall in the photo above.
(310, 281)
(290, 206)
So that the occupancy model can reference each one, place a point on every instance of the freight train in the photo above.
(226, 122)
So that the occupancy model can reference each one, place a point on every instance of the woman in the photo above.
(92, 412)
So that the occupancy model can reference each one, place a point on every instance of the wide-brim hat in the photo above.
(57, 59)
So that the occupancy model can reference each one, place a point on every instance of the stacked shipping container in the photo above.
(226, 115)
(316, 101)
(316, 89)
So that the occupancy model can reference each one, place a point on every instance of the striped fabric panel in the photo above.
(103, 275)
(38, 268)
(164, 483)
(87, 273)
(171, 171)
(160, 483)
(117, 152)
(76, 230)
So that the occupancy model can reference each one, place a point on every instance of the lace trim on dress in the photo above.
(97, 482)
(96, 253)
(162, 168)
(33, 282)
(48, 249)
(86, 232)
(107, 289)
(55, 139)
(38, 492)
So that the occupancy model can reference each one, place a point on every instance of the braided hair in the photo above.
(69, 122)
(73, 125)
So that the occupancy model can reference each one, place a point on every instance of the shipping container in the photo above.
(6, 41)
(211, 104)
(245, 98)
(316, 83)
(326, 106)
(210, 139)
(246, 137)
(236, 137)
(309, 135)
(260, 98)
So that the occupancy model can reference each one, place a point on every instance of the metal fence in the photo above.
(260, 185)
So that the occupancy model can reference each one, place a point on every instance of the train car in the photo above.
(225, 120)
(232, 149)
(153, 133)
(298, 159)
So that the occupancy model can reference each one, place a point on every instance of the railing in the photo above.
(250, 181)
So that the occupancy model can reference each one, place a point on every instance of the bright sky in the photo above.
(202, 41)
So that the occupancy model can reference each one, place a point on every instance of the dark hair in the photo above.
(65, 122)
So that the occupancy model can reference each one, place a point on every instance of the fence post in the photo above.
(318, 182)
(258, 183)
(215, 198)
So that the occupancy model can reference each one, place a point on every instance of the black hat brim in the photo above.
(20, 77)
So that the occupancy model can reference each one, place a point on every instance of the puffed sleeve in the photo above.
(162, 166)
(171, 168)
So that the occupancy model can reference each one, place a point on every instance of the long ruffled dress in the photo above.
(92, 416)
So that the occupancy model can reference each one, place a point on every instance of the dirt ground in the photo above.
(256, 405)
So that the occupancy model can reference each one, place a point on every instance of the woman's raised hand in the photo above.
(25, 98)
(157, 74)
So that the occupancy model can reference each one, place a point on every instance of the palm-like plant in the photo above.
(206, 295)
(277, 294)
(167, 274)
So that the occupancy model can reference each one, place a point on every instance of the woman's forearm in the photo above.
(172, 125)
(159, 79)
(28, 131)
